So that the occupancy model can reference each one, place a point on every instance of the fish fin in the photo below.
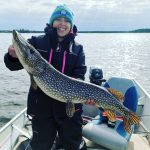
(70, 108)
(133, 119)
(127, 125)
(111, 115)
(116, 94)
(97, 105)
(33, 84)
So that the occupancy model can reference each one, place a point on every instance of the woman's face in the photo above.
(62, 25)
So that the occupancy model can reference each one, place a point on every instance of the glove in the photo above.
(52, 34)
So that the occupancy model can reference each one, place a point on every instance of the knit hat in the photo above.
(62, 11)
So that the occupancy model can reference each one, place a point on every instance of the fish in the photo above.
(67, 89)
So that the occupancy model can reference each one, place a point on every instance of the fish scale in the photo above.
(64, 88)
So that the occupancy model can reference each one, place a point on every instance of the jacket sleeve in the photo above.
(80, 67)
(11, 63)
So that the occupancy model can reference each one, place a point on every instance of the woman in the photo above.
(59, 48)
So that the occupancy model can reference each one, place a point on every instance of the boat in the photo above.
(16, 134)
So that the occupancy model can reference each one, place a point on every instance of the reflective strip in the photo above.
(64, 59)
(64, 62)
(50, 56)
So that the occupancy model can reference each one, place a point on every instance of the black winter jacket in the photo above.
(39, 104)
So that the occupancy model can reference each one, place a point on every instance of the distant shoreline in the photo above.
(132, 31)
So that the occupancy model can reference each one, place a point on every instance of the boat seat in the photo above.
(114, 138)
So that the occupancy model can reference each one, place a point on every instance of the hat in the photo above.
(62, 11)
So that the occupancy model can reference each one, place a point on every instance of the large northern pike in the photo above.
(64, 88)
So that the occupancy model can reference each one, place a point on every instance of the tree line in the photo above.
(34, 31)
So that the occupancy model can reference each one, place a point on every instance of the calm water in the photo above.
(125, 55)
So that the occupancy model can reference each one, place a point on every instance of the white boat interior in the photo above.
(16, 134)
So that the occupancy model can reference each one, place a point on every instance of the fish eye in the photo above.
(31, 51)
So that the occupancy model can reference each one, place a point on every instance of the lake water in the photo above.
(121, 54)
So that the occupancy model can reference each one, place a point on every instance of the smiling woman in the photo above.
(63, 27)
(62, 20)
(49, 116)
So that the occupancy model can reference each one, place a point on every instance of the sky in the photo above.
(92, 15)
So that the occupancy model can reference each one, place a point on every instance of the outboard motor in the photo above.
(96, 76)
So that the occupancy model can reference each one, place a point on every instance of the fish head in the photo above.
(28, 56)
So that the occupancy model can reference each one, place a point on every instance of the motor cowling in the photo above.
(96, 76)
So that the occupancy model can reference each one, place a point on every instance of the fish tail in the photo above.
(127, 125)
(133, 119)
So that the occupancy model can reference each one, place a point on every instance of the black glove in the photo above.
(52, 33)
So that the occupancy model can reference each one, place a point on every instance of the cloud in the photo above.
(89, 14)
(117, 6)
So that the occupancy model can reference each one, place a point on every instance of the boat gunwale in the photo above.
(10, 123)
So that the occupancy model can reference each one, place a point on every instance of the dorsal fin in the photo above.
(119, 96)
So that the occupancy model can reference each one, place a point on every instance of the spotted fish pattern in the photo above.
(64, 88)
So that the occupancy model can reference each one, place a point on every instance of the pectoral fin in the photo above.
(33, 84)
(70, 108)
(111, 115)
(116, 94)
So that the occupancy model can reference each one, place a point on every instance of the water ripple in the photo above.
(125, 55)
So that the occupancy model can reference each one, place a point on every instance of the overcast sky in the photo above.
(89, 14)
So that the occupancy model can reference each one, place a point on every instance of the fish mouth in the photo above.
(15, 36)
(18, 40)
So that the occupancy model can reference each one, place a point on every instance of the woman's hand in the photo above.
(89, 102)
(11, 51)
